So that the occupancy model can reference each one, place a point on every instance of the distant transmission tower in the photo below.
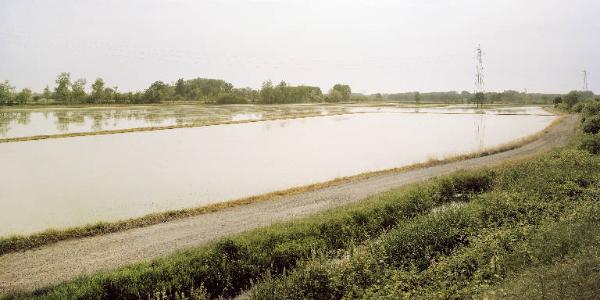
(479, 96)
(479, 84)
(585, 81)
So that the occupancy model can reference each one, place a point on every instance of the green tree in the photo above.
(247, 93)
(158, 91)
(340, 92)
(571, 98)
(97, 95)
(78, 91)
(117, 97)
(200, 89)
(7, 93)
(180, 89)
(495, 98)
(417, 98)
(558, 100)
(280, 93)
(62, 91)
(479, 99)
(24, 96)
(266, 92)
(109, 94)
(465, 96)
(46, 94)
(231, 99)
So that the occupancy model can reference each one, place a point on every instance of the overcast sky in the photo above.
(375, 46)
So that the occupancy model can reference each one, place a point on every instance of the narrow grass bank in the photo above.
(21, 243)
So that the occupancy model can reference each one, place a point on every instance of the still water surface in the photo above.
(15, 122)
(19, 122)
(68, 182)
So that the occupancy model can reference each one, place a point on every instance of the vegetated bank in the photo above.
(468, 234)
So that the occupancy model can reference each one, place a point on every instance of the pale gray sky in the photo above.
(375, 46)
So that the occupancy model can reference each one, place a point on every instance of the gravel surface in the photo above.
(70, 259)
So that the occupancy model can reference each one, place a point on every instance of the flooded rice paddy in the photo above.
(15, 123)
(67, 182)
(18, 123)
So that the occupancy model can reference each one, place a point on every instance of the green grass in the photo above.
(577, 277)
(537, 213)
(459, 236)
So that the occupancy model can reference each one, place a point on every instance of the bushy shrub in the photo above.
(557, 101)
(563, 106)
(591, 124)
(577, 107)
(461, 185)
(572, 98)
(413, 246)
(590, 143)
(231, 99)
(420, 242)
(590, 109)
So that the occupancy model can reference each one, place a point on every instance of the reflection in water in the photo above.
(62, 121)
(69, 182)
(17, 123)
(246, 116)
(30, 122)
(480, 131)
(7, 118)
(96, 123)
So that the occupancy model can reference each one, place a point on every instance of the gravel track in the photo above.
(67, 260)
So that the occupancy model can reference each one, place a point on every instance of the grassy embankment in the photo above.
(20, 242)
(536, 214)
(467, 234)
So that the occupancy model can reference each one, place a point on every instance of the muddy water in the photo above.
(48, 121)
(16, 123)
(67, 182)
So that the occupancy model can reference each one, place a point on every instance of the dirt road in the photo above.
(69, 259)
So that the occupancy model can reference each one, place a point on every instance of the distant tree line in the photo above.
(204, 90)
(217, 91)
(454, 97)
(574, 101)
